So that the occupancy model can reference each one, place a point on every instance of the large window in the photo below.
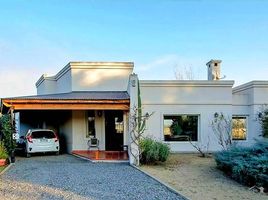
(239, 128)
(91, 124)
(180, 127)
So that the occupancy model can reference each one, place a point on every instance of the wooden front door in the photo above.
(114, 130)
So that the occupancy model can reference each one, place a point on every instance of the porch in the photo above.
(102, 156)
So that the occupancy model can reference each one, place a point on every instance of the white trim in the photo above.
(198, 104)
(185, 83)
(250, 85)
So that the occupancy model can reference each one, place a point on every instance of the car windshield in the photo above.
(43, 134)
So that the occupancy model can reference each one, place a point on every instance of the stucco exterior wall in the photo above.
(155, 124)
(202, 98)
(100, 78)
(64, 82)
(181, 97)
(248, 100)
(66, 132)
(47, 86)
(79, 128)
(100, 129)
(87, 76)
(187, 92)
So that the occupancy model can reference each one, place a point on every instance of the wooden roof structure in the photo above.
(88, 100)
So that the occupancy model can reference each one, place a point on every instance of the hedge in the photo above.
(247, 165)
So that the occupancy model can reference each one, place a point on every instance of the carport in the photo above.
(67, 113)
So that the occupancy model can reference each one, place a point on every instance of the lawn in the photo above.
(198, 178)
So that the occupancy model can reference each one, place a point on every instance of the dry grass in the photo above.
(198, 178)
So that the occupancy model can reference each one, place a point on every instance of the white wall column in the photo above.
(133, 93)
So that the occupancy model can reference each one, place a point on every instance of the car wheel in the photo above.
(28, 155)
(57, 153)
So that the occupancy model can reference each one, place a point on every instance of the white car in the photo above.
(41, 140)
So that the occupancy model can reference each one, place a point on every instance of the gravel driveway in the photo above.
(68, 177)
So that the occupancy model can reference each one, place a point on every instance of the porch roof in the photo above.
(87, 100)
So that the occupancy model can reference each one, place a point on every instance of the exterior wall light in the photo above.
(99, 113)
(133, 83)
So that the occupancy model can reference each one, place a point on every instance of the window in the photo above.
(43, 134)
(119, 124)
(180, 128)
(91, 124)
(239, 128)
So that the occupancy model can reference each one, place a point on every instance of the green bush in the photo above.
(7, 129)
(247, 165)
(263, 119)
(153, 151)
(3, 152)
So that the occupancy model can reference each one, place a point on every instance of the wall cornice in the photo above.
(85, 65)
(185, 83)
(250, 85)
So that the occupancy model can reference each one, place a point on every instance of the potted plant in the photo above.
(3, 154)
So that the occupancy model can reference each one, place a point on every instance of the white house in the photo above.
(95, 99)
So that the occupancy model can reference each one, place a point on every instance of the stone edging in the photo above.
(159, 181)
(7, 168)
(81, 157)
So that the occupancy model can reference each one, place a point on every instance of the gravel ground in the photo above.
(198, 178)
(68, 177)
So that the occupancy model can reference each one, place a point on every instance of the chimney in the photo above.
(214, 70)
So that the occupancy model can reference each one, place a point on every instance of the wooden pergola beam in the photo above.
(71, 107)
(18, 105)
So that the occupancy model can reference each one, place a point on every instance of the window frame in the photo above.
(246, 138)
(87, 127)
(176, 114)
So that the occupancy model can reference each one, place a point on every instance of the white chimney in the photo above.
(214, 70)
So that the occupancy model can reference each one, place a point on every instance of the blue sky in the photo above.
(38, 37)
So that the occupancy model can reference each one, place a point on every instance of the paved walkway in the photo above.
(68, 177)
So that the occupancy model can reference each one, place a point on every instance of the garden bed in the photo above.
(198, 178)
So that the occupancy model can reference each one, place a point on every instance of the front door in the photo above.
(114, 130)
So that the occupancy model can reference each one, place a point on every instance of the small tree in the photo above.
(222, 128)
(201, 148)
(138, 125)
(185, 74)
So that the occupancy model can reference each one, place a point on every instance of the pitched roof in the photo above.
(83, 95)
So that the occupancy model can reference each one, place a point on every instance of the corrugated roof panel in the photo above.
(86, 95)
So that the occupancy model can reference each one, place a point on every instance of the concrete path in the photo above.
(68, 177)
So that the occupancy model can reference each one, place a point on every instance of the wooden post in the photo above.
(12, 153)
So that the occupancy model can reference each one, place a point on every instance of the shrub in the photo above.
(153, 151)
(263, 119)
(7, 129)
(247, 165)
(3, 152)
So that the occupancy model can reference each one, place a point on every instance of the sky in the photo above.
(159, 36)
